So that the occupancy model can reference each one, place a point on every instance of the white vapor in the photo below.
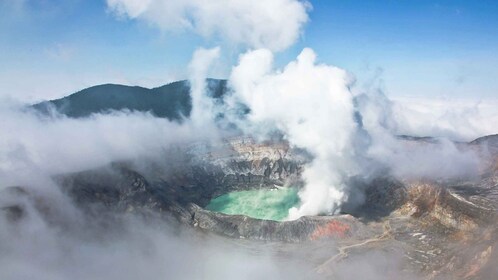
(312, 105)
(202, 112)
(68, 243)
(272, 24)
(456, 119)
(54, 239)
(33, 146)
(347, 131)
(46, 146)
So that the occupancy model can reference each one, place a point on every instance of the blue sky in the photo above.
(418, 48)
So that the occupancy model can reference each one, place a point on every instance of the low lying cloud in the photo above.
(456, 119)
(54, 239)
(33, 145)
(77, 245)
(273, 24)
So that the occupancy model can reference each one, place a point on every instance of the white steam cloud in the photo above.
(457, 119)
(54, 239)
(272, 24)
(348, 132)
(72, 245)
(201, 115)
(313, 107)
(32, 145)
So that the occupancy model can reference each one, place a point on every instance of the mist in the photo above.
(349, 132)
(59, 241)
(314, 106)
(46, 146)
(56, 239)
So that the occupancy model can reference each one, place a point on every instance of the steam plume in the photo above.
(312, 105)
(348, 132)
(273, 24)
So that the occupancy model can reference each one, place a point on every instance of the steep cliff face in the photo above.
(244, 163)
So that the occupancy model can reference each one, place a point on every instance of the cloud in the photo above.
(73, 244)
(312, 105)
(60, 240)
(33, 147)
(348, 132)
(272, 24)
(456, 119)
(202, 114)
(384, 120)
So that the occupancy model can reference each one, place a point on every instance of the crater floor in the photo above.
(429, 229)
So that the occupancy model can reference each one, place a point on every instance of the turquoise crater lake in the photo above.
(267, 204)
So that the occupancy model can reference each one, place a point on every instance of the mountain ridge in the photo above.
(171, 101)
